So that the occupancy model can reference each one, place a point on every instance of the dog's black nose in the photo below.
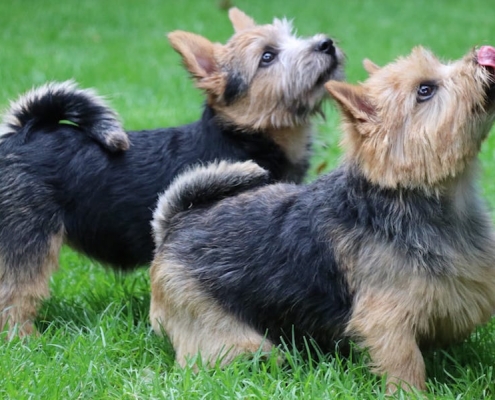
(326, 46)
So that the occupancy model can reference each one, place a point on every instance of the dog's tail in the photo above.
(57, 103)
(202, 185)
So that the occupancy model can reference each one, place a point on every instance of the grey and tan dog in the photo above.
(394, 249)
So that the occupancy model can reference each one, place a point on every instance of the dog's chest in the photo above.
(456, 306)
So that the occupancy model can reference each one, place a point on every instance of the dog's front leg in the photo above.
(383, 324)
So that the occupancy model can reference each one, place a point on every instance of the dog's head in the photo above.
(418, 122)
(264, 77)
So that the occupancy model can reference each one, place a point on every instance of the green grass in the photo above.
(96, 341)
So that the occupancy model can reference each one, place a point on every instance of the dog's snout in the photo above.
(326, 46)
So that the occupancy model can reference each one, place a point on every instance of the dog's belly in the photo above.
(127, 248)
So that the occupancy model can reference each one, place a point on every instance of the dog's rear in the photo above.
(204, 185)
(31, 223)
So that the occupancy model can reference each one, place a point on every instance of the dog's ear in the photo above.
(352, 100)
(197, 53)
(370, 66)
(240, 21)
(199, 57)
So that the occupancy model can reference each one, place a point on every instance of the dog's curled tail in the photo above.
(63, 102)
(203, 185)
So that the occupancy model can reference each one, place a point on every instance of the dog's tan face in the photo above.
(264, 77)
(417, 122)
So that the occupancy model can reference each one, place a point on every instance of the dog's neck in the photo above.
(294, 142)
(460, 191)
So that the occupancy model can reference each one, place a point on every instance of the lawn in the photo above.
(95, 337)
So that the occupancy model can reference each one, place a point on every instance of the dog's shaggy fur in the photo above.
(74, 182)
(394, 248)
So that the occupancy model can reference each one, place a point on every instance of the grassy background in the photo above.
(96, 340)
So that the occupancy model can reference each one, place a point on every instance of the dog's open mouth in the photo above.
(486, 58)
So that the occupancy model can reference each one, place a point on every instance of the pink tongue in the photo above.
(486, 56)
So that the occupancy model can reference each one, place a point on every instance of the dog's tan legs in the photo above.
(385, 328)
(216, 337)
(194, 322)
(21, 293)
(19, 304)
(397, 355)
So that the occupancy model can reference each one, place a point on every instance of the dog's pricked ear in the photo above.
(370, 66)
(196, 51)
(352, 101)
(240, 20)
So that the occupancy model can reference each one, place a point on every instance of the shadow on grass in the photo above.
(128, 300)
(468, 361)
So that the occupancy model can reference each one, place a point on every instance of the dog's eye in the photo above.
(425, 92)
(267, 58)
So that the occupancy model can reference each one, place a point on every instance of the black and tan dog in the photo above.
(92, 185)
(393, 249)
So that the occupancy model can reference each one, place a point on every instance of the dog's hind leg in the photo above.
(195, 323)
(31, 235)
(24, 281)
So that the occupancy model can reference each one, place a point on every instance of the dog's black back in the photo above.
(104, 200)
